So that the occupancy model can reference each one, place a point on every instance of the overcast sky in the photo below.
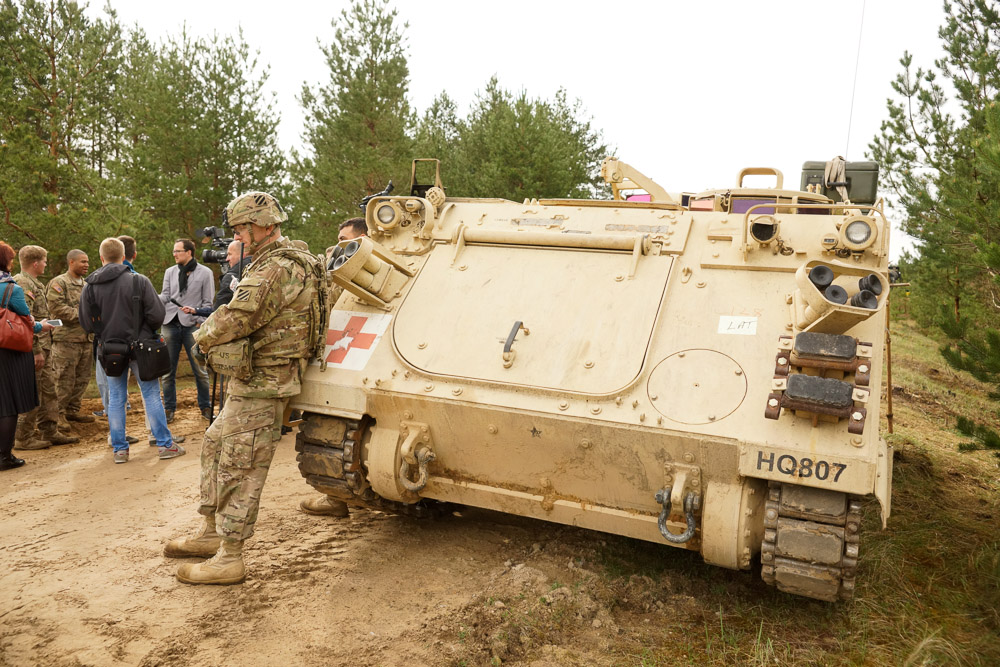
(687, 92)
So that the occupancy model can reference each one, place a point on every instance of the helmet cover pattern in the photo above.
(255, 208)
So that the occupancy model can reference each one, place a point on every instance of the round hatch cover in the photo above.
(697, 386)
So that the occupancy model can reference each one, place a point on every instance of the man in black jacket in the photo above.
(238, 260)
(106, 310)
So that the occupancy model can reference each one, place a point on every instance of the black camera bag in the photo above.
(152, 360)
(113, 355)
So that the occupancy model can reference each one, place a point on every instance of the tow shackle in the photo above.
(424, 456)
(690, 505)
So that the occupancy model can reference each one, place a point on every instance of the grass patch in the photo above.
(928, 587)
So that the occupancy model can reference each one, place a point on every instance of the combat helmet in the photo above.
(255, 208)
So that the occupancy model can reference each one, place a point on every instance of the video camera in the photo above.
(220, 245)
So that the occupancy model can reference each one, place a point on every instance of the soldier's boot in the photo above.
(33, 443)
(80, 417)
(26, 428)
(203, 545)
(324, 506)
(60, 438)
(225, 567)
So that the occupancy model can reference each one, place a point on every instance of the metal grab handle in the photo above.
(424, 456)
(508, 353)
(513, 332)
(690, 504)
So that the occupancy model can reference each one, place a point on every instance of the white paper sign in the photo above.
(738, 325)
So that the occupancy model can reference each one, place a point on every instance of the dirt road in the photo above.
(83, 580)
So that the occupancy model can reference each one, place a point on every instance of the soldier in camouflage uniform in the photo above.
(261, 340)
(45, 417)
(72, 351)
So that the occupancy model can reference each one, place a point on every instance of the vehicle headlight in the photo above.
(858, 233)
(385, 214)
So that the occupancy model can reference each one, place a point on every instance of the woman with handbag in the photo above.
(18, 393)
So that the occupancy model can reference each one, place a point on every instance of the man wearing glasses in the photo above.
(187, 283)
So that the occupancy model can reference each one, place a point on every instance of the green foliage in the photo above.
(357, 123)
(103, 132)
(56, 110)
(985, 437)
(199, 131)
(437, 133)
(944, 171)
(514, 146)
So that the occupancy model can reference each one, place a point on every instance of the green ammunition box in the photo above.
(862, 181)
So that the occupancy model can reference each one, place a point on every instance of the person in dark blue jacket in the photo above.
(18, 392)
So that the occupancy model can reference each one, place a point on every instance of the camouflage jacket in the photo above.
(63, 298)
(34, 294)
(270, 307)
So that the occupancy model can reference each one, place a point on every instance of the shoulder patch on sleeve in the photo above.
(249, 294)
(56, 286)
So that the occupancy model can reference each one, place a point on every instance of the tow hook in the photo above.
(691, 503)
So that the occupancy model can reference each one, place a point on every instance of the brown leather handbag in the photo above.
(16, 332)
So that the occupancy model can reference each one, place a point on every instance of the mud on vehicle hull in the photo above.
(809, 544)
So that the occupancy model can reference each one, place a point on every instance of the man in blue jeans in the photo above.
(107, 310)
(102, 377)
(190, 284)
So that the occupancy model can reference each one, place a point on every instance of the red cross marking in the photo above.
(348, 339)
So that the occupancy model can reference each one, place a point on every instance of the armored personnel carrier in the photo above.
(699, 370)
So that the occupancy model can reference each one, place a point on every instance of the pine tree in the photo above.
(200, 130)
(357, 123)
(53, 60)
(945, 173)
(437, 136)
(514, 147)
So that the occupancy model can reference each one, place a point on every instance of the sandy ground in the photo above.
(83, 580)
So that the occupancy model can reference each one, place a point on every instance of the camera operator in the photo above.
(237, 260)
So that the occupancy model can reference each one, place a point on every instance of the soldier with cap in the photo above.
(71, 347)
(261, 340)
(45, 417)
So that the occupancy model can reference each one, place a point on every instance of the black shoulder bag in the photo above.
(151, 357)
(112, 354)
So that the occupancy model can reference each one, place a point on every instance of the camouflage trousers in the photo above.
(235, 457)
(46, 416)
(71, 370)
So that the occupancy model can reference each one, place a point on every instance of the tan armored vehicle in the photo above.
(700, 370)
